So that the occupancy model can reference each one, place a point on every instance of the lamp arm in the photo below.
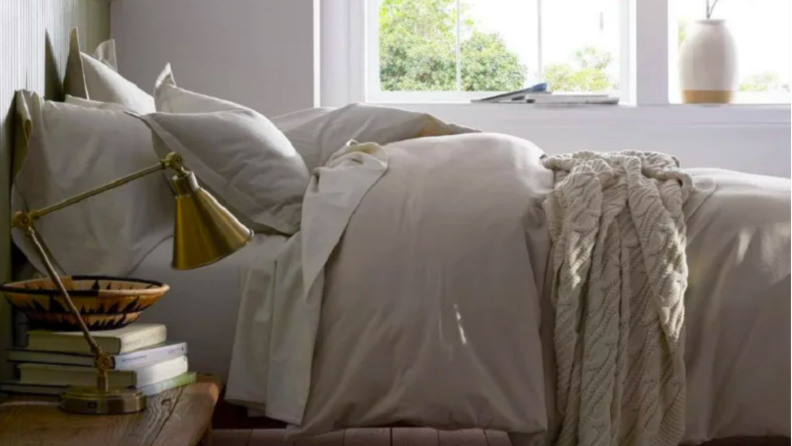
(172, 161)
(101, 359)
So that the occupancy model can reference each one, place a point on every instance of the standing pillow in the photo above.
(96, 78)
(71, 149)
(170, 98)
(316, 135)
(244, 160)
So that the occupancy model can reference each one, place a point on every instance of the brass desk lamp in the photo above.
(204, 232)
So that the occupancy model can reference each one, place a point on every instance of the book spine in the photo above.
(75, 377)
(141, 358)
(179, 381)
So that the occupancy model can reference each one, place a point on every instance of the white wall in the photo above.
(747, 139)
(261, 53)
(265, 54)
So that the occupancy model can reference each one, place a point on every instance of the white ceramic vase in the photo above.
(708, 64)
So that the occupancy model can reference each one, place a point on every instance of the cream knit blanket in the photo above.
(620, 275)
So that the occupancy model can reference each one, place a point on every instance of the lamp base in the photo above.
(94, 401)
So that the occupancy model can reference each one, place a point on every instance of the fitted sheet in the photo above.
(202, 304)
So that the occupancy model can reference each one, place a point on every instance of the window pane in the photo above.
(499, 44)
(417, 43)
(580, 45)
(761, 30)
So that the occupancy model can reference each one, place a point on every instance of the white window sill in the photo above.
(527, 115)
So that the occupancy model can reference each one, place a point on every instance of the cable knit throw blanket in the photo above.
(620, 275)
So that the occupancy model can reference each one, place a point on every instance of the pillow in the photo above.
(318, 139)
(96, 78)
(71, 149)
(245, 161)
(170, 98)
(73, 100)
(294, 119)
(316, 135)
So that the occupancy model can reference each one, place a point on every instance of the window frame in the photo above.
(374, 94)
(350, 57)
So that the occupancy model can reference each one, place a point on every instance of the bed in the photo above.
(211, 297)
(202, 305)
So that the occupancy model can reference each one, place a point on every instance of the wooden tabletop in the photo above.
(177, 417)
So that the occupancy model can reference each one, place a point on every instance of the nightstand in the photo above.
(180, 416)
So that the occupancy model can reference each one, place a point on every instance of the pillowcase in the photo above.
(245, 161)
(170, 98)
(317, 134)
(96, 78)
(318, 139)
(73, 100)
(72, 149)
(294, 119)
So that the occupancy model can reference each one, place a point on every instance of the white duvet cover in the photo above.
(416, 291)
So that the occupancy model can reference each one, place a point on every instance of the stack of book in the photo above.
(142, 358)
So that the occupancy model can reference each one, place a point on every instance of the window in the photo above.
(462, 49)
(456, 50)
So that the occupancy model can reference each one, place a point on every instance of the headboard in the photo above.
(34, 44)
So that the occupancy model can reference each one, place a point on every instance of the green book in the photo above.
(15, 387)
(67, 375)
(126, 339)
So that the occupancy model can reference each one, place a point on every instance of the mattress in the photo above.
(202, 304)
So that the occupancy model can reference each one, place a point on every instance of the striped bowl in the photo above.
(104, 302)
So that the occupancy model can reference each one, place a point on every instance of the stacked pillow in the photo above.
(67, 149)
(70, 149)
(96, 78)
(317, 133)
(238, 154)
(257, 169)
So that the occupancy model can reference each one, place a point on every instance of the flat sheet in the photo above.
(380, 308)
(448, 313)
(201, 307)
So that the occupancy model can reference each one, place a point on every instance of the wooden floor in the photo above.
(364, 437)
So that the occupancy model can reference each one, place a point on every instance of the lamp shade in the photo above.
(204, 231)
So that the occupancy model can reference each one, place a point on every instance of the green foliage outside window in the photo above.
(418, 50)
(417, 43)
(588, 72)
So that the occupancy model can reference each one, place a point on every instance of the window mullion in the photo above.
(539, 49)
(651, 51)
(458, 47)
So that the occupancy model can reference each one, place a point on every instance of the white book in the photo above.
(45, 389)
(121, 340)
(123, 361)
(66, 375)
